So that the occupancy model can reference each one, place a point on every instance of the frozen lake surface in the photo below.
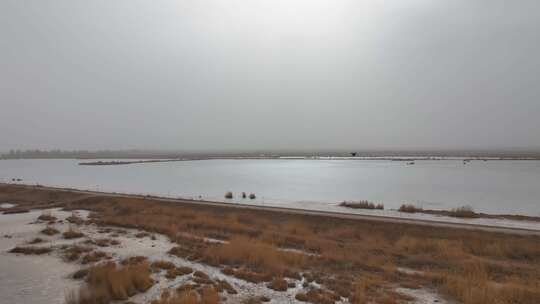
(498, 187)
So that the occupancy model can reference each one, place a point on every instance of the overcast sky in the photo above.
(269, 74)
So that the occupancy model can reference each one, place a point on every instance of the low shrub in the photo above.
(463, 212)
(409, 208)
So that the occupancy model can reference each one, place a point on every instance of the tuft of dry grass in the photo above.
(317, 296)
(278, 284)
(74, 219)
(209, 295)
(46, 216)
(72, 234)
(188, 295)
(50, 231)
(184, 297)
(172, 273)
(30, 250)
(94, 257)
(73, 253)
(16, 210)
(105, 242)
(223, 285)
(80, 274)
(141, 235)
(134, 260)
(36, 241)
(161, 264)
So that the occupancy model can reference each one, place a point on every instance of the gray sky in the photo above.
(269, 74)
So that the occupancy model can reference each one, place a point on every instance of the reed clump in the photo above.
(463, 212)
(110, 282)
(362, 205)
(409, 208)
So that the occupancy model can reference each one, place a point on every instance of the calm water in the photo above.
(492, 186)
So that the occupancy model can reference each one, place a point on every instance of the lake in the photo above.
(509, 187)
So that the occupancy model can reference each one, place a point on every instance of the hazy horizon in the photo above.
(270, 75)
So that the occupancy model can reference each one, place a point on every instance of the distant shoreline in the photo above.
(125, 160)
(115, 163)
(408, 159)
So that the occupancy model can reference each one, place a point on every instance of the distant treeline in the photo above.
(83, 154)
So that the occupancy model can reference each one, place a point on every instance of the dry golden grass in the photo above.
(354, 259)
(253, 254)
